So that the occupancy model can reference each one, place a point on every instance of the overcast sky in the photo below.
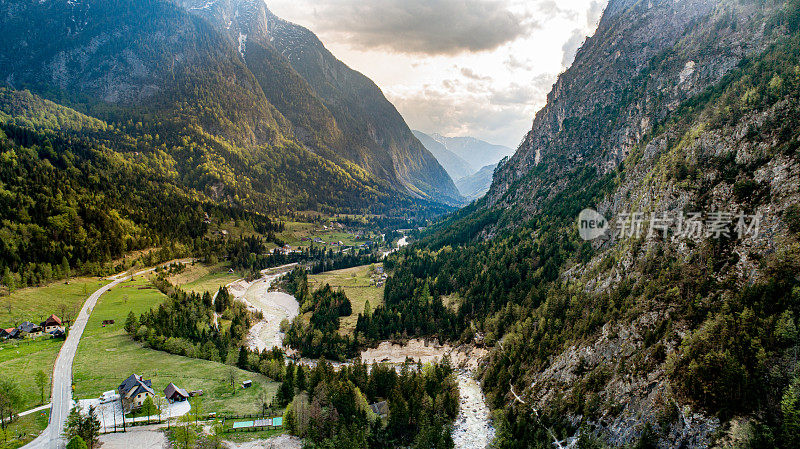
(478, 68)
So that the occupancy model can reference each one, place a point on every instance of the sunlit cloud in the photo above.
(480, 68)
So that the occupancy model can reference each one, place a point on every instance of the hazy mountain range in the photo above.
(469, 161)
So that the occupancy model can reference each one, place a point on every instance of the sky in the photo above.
(479, 68)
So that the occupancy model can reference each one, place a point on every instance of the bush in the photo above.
(792, 218)
(77, 443)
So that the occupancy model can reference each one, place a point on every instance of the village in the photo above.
(52, 327)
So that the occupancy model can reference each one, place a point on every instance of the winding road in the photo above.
(61, 396)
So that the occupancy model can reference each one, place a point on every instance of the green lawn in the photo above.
(21, 359)
(357, 285)
(201, 278)
(24, 429)
(106, 356)
(37, 303)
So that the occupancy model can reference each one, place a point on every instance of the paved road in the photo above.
(61, 396)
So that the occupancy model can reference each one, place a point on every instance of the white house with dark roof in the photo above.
(134, 391)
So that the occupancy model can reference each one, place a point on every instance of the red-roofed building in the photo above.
(53, 323)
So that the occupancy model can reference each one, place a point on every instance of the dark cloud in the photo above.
(433, 27)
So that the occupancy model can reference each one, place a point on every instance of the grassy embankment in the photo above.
(107, 355)
(201, 278)
(358, 285)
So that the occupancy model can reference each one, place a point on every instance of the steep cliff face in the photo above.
(644, 59)
(378, 137)
(671, 108)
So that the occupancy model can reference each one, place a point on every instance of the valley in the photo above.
(270, 223)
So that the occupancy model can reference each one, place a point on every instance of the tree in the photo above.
(131, 323)
(242, 359)
(232, 378)
(149, 408)
(76, 443)
(41, 381)
(10, 400)
(197, 408)
(8, 279)
(87, 427)
(790, 411)
(184, 435)
(65, 271)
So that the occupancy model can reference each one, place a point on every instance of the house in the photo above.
(52, 323)
(134, 390)
(11, 332)
(380, 408)
(175, 394)
(28, 329)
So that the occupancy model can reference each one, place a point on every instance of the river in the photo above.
(472, 428)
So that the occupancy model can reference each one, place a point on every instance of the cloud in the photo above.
(498, 115)
(469, 73)
(431, 27)
(571, 46)
(594, 13)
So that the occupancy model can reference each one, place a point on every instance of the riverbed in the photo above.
(472, 428)
(275, 307)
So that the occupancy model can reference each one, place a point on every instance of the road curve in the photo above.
(61, 396)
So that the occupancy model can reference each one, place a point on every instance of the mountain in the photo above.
(222, 70)
(476, 152)
(477, 184)
(456, 167)
(677, 125)
(366, 128)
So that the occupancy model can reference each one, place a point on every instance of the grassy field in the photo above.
(20, 360)
(202, 278)
(357, 285)
(107, 355)
(24, 429)
(37, 303)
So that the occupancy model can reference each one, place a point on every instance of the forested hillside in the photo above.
(178, 68)
(127, 125)
(645, 337)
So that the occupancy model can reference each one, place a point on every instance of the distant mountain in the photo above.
(227, 71)
(476, 152)
(456, 167)
(477, 184)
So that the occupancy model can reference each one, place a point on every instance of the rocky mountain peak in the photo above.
(644, 59)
